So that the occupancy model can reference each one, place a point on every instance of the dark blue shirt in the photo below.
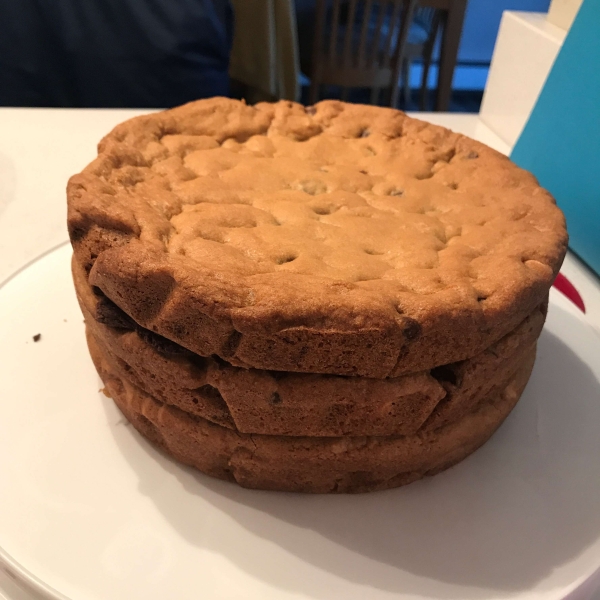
(113, 53)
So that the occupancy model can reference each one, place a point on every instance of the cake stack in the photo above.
(336, 298)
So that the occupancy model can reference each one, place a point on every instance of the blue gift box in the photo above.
(560, 143)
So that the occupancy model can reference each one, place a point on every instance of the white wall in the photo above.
(482, 22)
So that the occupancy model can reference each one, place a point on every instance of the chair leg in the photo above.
(394, 94)
(317, 52)
(401, 83)
(406, 81)
(406, 20)
(424, 78)
(427, 58)
(313, 92)
(375, 92)
(452, 29)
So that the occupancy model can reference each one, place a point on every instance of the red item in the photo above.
(564, 286)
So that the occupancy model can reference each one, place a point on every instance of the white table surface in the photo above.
(41, 148)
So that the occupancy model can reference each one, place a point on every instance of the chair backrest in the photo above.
(359, 43)
(426, 16)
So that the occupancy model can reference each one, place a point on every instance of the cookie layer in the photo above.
(339, 239)
(301, 404)
(308, 464)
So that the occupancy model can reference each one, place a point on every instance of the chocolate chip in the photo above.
(209, 391)
(77, 233)
(161, 344)
(231, 345)
(275, 398)
(472, 154)
(108, 313)
(37, 337)
(364, 133)
(322, 210)
(412, 329)
(278, 375)
(310, 110)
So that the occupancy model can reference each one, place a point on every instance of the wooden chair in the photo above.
(427, 23)
(451, 14)
(360, 43)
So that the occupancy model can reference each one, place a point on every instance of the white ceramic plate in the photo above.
(91, 511)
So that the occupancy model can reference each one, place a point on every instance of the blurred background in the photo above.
(412, 54)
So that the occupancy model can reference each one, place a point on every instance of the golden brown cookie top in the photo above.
(285, 237)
